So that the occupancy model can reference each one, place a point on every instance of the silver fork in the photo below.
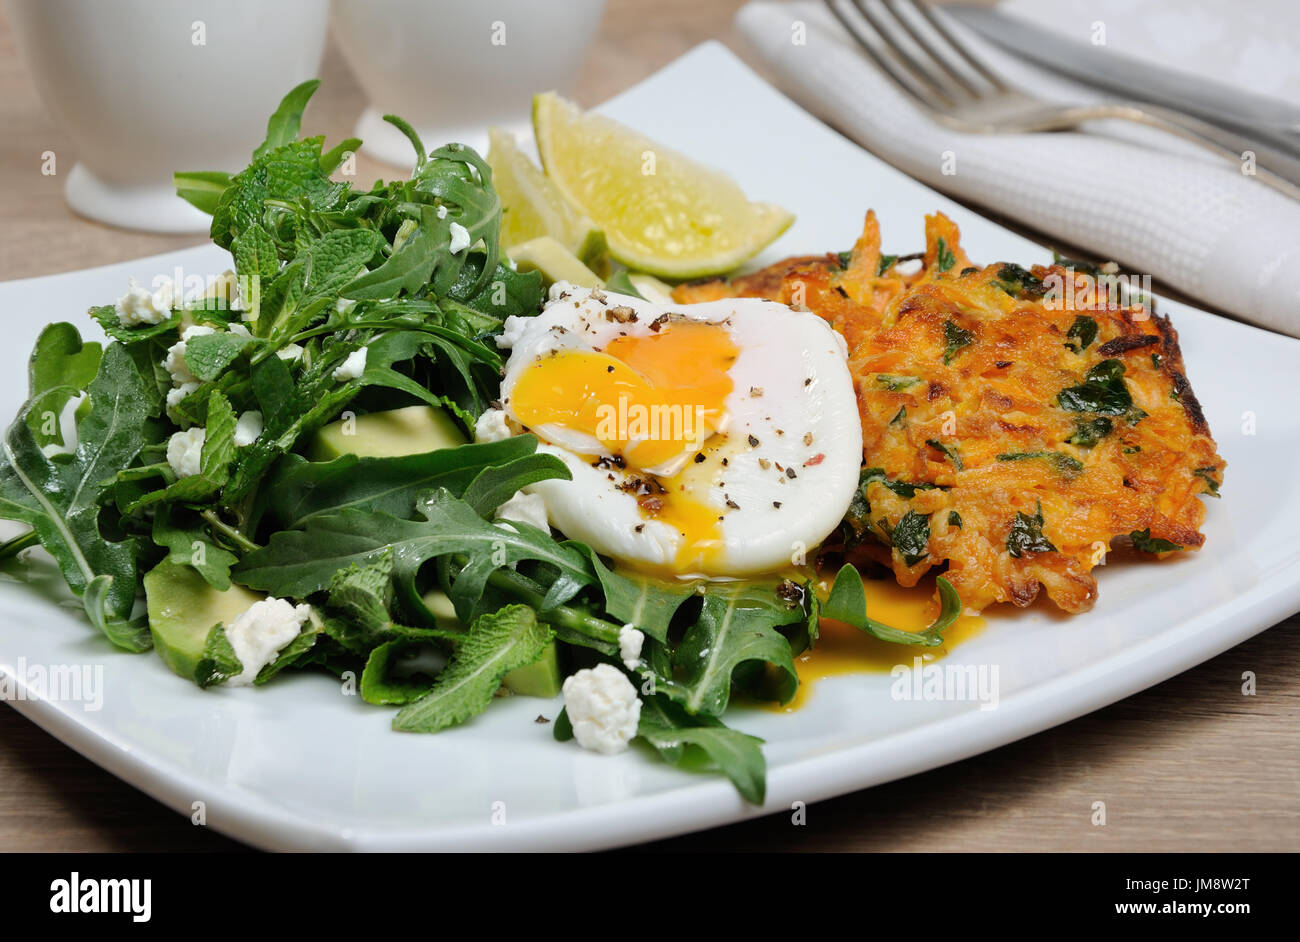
(926, 61)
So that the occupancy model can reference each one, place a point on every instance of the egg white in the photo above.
(792, 394)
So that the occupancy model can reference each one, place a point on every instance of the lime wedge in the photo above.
(661, 212)
(534, 207)
(556, 263)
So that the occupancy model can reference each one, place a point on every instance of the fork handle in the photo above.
(1273, 166)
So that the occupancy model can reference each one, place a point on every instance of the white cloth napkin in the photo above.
(1156, 204)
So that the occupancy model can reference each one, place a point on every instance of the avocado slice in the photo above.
(182, 609)
(539, 679)
(392, 433)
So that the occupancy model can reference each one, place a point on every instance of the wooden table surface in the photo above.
(1191, 764)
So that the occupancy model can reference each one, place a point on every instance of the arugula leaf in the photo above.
(638, 600)
(847, 602)
(201, 188)
(674, 734)
(1026, 534)
(495, 645)
(297, 563)
(60, 498)
(285, 122)
(60, 366)
(301, 489)
(496, 484)
(737, 624)
(1144, 541)
(187, 543)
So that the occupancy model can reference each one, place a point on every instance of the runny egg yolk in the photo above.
(652, 400)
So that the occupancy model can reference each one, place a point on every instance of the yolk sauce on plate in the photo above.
(649, 400)
(842, 649)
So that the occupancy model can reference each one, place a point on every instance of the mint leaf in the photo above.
(398, 672)
(495, 645)
(335, 258)
(218, 662)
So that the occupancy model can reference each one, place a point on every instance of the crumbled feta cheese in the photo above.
(141, 306)
(524, 508)
(559, 291)
(290, 352)
(459, 238)
(259, 633)
(603, 707)
(175, 362)
(352, 367)
(630, 641)
(239, 330)
(512, 330)
(492, 426)
(442, 211)
(174, 397)
(248, 428)
(184, 449)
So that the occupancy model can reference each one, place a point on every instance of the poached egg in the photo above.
(715, 440)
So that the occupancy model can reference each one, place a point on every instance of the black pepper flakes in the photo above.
(753, 442)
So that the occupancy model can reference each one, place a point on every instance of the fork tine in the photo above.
(897, 76)
(936, 55)
(889, 37)
(923, 7)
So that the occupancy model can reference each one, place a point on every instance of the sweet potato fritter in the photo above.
(1015, 422)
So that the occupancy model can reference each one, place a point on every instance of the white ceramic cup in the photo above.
(452, 68)
(148, 87)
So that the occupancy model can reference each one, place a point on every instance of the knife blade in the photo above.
(1128, 77)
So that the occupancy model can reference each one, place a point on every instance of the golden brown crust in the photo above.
(1032, 441)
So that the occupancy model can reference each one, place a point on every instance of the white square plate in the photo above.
(296, 765)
